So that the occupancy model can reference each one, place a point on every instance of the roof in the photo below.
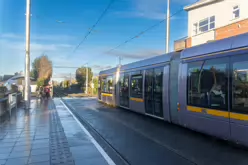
(217, 46)
(6, 77)
(150, 61)
(108, 71)
(142, 63)
(199, 4)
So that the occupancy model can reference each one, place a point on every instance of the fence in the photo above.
(9, 102)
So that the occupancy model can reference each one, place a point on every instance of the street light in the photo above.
(27, 57)
(86, 90)
(167, 27)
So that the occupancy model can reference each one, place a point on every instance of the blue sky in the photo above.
(123, 20)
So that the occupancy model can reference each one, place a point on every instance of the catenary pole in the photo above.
(27, 57)
(167, 27)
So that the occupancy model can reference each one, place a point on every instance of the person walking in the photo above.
(47, 92)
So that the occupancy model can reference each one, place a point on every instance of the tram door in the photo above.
(153, 92)
(124, 90)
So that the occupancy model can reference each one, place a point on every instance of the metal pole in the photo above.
(86, 90)
(168, 27)
(70, 80)
(92, 88)
(27, 60)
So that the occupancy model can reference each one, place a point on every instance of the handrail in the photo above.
(12, 101)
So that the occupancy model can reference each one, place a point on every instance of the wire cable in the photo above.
(91, 29)
(146, 30)
(143, 32)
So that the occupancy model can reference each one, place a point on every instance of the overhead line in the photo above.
(146, 30)
(143, 32)
(91, 29)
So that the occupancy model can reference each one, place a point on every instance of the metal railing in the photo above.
(10, 101)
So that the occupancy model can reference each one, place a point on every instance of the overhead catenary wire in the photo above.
(143, 32)
(146, 30)
(92, 28)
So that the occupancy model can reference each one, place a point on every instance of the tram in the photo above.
(203, 88)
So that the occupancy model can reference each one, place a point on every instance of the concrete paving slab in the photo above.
(45, 135)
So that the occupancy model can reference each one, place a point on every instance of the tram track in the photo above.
(108, 147)
(107, 144)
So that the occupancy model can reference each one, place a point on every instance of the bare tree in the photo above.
(42, 69)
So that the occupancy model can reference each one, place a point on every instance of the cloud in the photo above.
(137, 14)
(35, 47)
(137, 55)
(101, 67)
(36, 37)
(151, 9)
(12, 54)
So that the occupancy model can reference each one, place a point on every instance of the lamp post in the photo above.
(167, 27)
(86, 90)
(27, 59)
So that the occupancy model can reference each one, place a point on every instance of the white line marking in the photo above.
(99, 148)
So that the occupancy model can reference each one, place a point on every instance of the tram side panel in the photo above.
(166, 94)
(239, 107)
(117, 91)
(196, 106)
(173, 89)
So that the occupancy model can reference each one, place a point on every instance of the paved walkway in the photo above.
(47, 134)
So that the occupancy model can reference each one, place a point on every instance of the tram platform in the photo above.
(47, 134)
(137, 139)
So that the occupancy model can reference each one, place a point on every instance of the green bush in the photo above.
(40, 82)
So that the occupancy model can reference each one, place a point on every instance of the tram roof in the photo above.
(108, 71)
(150, 61)
(142, 63)
(217, 46)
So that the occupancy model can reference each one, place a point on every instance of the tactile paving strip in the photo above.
(59, 147)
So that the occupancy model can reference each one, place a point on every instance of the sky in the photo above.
(58, 26)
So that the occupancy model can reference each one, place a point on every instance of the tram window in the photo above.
(240, 87)
(124, 83)
(158, 83)
(121, 83)
(109, 84)
(103, 85)
(136, 86)
(207, 84)
(194, 91)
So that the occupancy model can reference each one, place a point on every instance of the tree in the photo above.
(81, 76)
(66, 83)
(42, 70)
(35, 67)
(95, 82)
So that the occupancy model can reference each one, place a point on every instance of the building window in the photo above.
(207, 84)
(195, 28)
(203, 25)
(136, 86)
(236, 12)
(207, 24)
(212, 22)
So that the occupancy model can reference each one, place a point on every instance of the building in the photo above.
(210, 20)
